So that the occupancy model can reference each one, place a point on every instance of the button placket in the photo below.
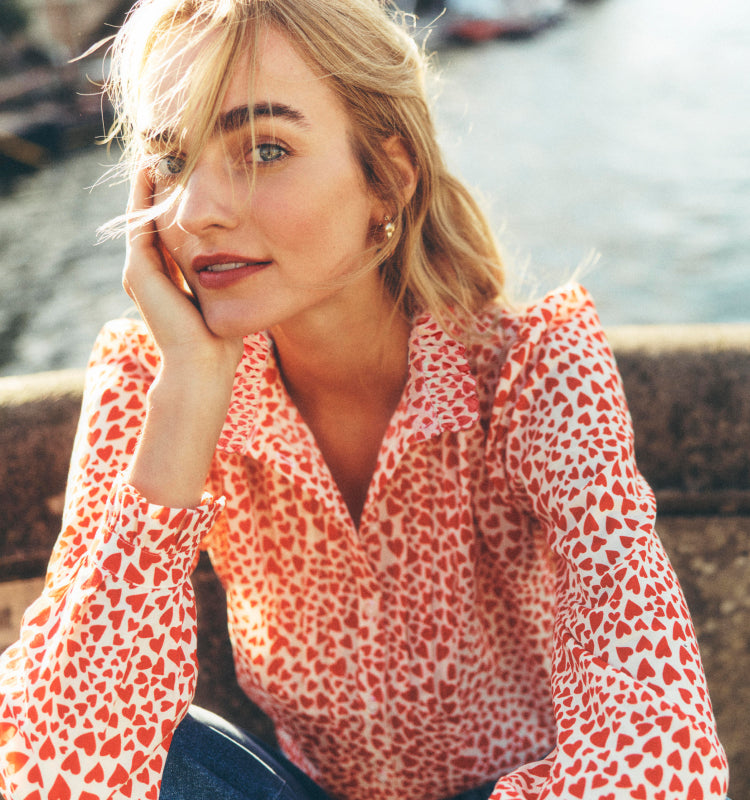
(369, 628)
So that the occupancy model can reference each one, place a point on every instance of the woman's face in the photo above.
(266, 249)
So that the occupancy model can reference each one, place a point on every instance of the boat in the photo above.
(481, 20)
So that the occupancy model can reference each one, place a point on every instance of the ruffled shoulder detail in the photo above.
(539, 329)
(556, 308)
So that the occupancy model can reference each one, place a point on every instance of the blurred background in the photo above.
(608, 134)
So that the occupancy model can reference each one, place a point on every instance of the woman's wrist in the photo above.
(185, 415)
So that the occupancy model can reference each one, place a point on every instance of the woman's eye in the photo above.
(169, 166)
(268, 152)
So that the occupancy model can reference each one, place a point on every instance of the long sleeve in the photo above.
(630, 700)
(105, 664)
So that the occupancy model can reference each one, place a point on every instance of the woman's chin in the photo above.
(231, 329)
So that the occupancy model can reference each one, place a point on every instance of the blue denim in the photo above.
(210, 759)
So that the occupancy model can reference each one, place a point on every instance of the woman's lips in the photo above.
(221, 275)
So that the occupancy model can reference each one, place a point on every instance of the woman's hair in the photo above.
(443, 256)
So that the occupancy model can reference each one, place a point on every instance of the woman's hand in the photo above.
(189, 399)
(153, 280)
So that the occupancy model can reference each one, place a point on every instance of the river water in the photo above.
(624, 131)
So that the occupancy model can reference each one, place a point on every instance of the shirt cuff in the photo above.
(149, 545)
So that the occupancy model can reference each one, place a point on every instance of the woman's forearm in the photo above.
(183, 423)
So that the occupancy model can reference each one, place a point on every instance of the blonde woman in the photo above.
(440, 562)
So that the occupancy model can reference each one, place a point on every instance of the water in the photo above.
(627, 130)
(624, 131)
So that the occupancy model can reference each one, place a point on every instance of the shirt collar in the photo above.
(441, 392)
(262, 422)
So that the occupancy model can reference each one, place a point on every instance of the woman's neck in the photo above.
(356, 354)
(346, 376)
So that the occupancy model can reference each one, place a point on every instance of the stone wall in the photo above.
(689, 393)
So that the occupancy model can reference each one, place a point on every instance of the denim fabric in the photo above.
(209, 759)
(480, 793)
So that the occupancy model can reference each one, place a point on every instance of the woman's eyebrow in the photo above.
(240, 116)
(237, 118)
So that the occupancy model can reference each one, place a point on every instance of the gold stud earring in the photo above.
(389, 228)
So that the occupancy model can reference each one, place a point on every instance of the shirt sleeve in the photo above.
(630, 700)
(105, 664)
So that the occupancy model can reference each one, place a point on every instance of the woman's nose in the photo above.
(209, 200)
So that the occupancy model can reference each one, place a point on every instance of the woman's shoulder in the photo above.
(563, 305)
(564, 314)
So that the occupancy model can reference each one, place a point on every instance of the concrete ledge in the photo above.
(711, 555)
(38, 418)
(688, 388)
(689, 393)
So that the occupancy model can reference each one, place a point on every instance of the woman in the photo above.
(441, 569)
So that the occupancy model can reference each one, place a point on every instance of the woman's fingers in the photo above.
(141, 191)
(173, 270)
(140, 208)
(153, 280)
(141, 233)
(143, 238)
(151, 276)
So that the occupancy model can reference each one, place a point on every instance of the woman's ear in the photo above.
(400, 156)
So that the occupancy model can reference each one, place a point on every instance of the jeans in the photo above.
(210, 759)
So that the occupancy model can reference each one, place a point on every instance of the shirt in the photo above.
(504, 608)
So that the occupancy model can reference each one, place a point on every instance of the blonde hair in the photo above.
(443, 256)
